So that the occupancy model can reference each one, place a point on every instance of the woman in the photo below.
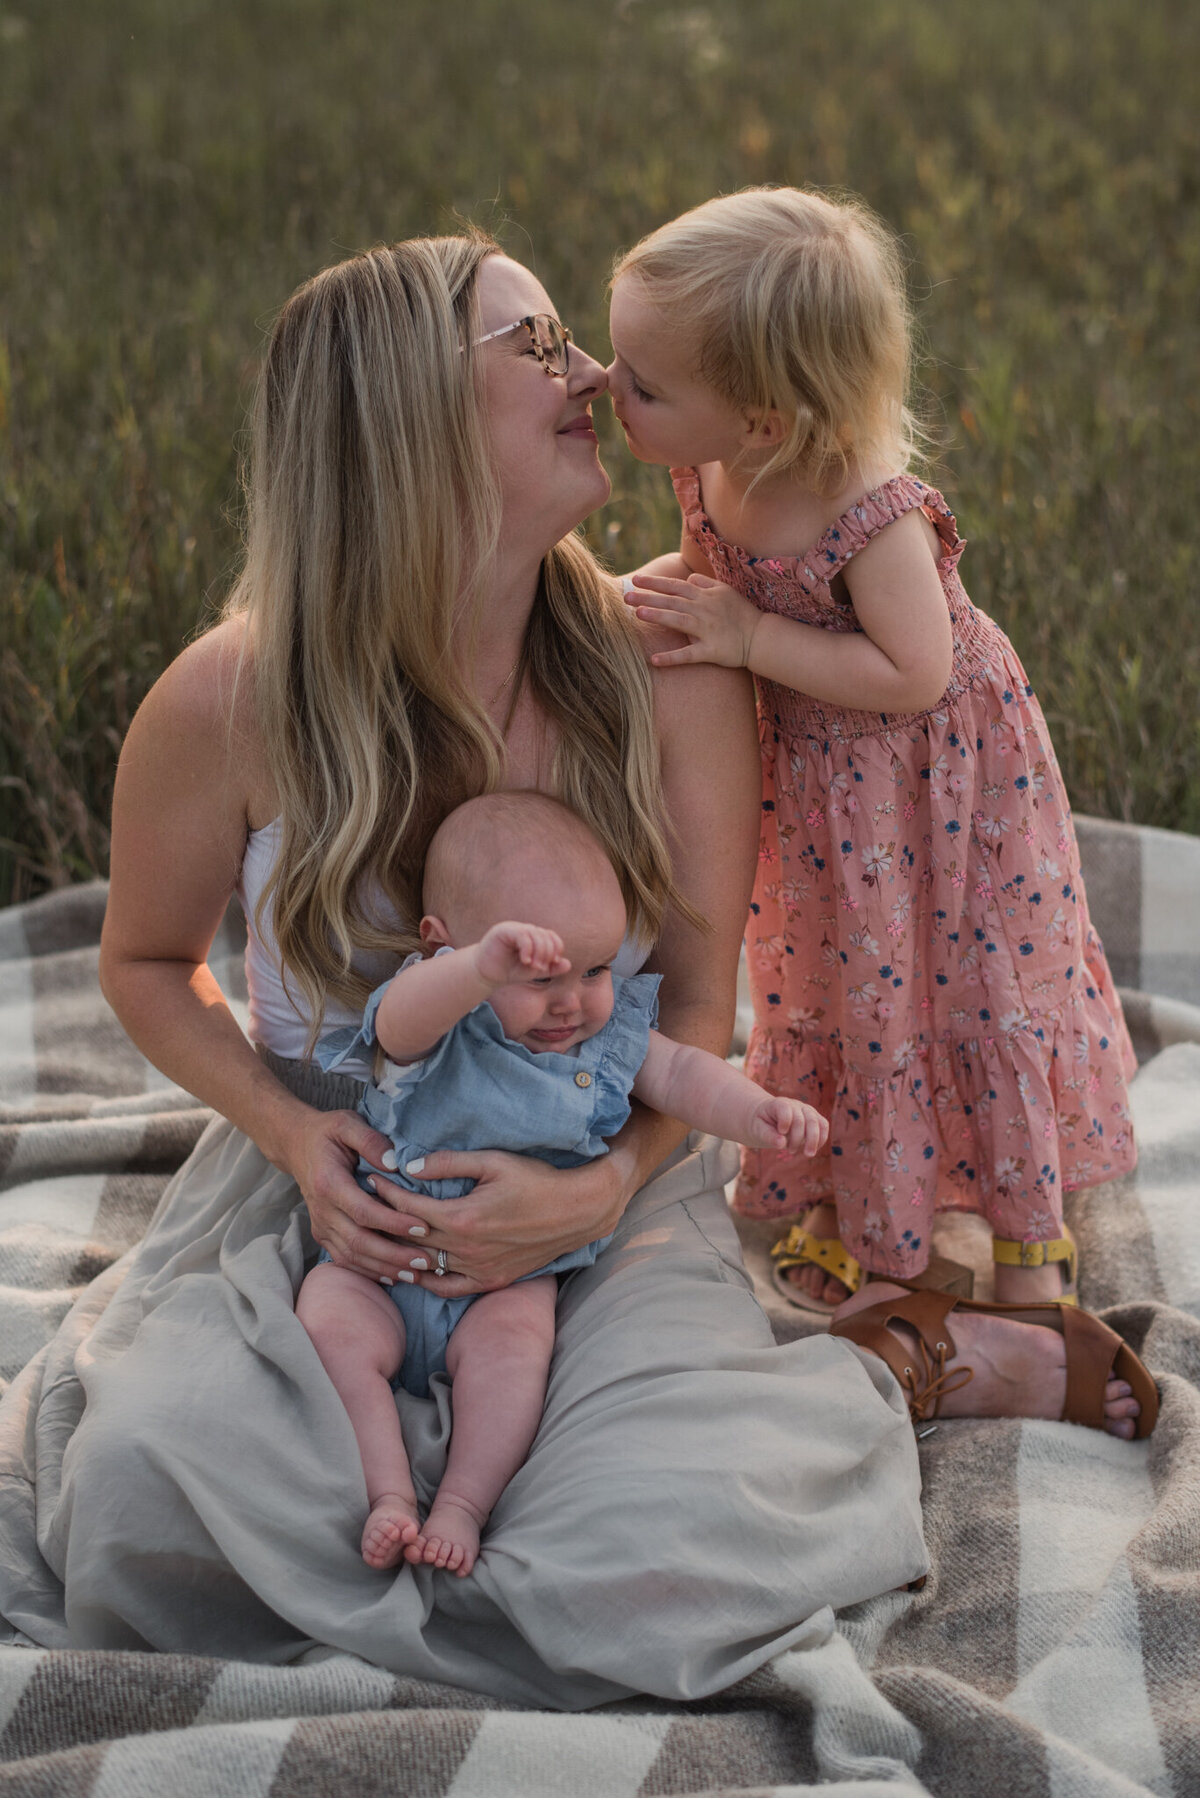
(415, 623)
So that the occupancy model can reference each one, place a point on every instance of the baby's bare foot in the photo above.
(1020, 1369)
(450, 1539)
(392, 1526)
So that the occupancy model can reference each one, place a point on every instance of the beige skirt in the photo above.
(180, 1474)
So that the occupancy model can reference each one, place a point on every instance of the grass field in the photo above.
(176, 167)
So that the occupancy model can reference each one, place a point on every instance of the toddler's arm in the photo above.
(899, 662)
(676, 565)
(424, 1001)
(702, 1090)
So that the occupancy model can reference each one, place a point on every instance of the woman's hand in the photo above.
(521, 1214)
(360, 1232)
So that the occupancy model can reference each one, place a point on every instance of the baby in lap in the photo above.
(510, 1033)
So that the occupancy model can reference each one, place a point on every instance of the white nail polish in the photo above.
(388, 1160)
(410, 1167)
(369, 1184)
(386, 1282)
(404, 1275)
(419, 1262)
(418, 1230)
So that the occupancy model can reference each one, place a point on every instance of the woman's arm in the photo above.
(523, 1213)
(189, 784)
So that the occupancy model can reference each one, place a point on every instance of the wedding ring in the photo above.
(443, 1264)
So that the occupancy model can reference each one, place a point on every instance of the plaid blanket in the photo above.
(1053, 1653)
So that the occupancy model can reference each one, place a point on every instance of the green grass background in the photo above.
(173, 168)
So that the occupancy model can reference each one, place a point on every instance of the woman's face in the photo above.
(540, 425)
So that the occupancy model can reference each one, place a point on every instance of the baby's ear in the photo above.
(433, 932)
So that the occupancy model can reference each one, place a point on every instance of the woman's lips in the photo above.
(580, 427)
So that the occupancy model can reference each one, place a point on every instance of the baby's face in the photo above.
(559, 1011)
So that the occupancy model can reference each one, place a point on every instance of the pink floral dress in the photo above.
(921, 960)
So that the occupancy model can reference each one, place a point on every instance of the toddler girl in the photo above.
(516, 1036)
(921, 961)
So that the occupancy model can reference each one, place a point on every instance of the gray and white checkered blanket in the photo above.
(1054, 1652)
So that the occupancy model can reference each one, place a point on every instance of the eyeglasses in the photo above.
(549, 339)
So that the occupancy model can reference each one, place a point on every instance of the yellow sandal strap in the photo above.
(1034, 1254)
(1042, 1254)
(799, 1248)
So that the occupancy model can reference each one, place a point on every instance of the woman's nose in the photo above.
(584, 373)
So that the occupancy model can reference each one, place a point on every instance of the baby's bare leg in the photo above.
(498, 1359)
(359, 1335)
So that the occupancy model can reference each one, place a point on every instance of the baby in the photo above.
(512, 1035)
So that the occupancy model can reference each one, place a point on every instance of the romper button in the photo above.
(583, 1079)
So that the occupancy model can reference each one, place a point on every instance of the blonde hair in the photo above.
(799, 304)
(373, 515)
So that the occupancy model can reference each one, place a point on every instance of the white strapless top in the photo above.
(276, 1017)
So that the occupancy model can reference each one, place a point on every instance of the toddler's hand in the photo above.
(787, 1124)
(520, 952)
(719, 621)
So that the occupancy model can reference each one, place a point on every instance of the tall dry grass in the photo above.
(175, 167)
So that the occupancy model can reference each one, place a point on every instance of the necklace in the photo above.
(503, 684)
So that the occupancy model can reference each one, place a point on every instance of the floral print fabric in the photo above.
(921, 960)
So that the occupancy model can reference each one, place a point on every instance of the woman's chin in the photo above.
(601, 489)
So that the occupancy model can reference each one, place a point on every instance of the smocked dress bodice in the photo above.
(806, 588)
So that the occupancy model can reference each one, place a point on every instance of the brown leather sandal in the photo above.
(1094, 1353)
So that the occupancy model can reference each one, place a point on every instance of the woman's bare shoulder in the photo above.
(202, 710)
(212, 677)
(653, 639)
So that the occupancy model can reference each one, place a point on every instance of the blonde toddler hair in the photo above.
(798, 304)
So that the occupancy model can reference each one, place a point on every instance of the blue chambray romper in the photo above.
(479, 1090)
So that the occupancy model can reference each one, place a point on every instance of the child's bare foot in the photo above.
(450, 1539)
(1020, 1370)
(392, 1526)
(813, 1281)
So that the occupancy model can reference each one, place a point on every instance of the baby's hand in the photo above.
(787, 1124)
(519, 952)
(719, 621)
